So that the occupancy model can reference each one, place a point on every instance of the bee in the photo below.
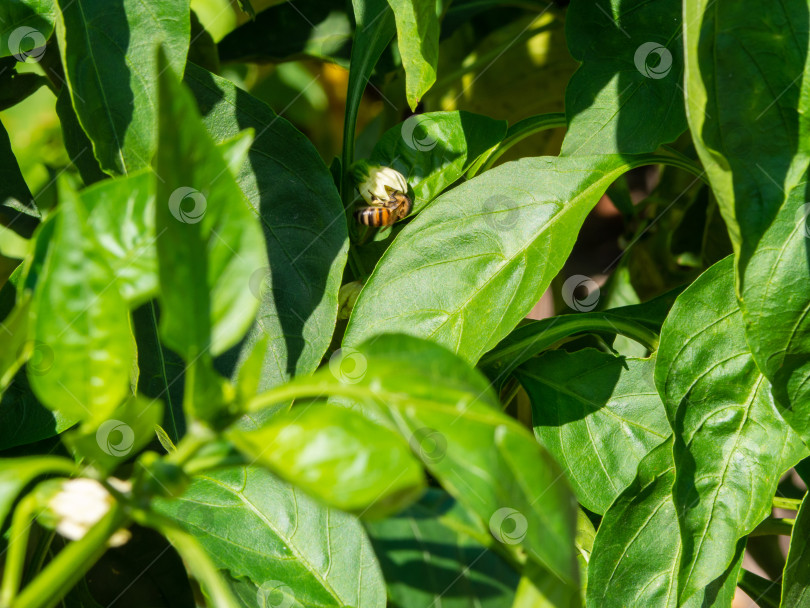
(384, 213)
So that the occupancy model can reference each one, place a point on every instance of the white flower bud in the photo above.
(378, 182)
(79, 504)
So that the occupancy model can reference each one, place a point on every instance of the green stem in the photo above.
(572, 324)
(773, 525)
(71, 564)
(21, 523)
(196, 437)
(781, 502)
(672, 158)
(765, 593)
(516, 133)
(287, 392)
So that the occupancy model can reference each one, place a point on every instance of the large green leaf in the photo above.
(626, 96)
(453, 422)
(775, 301)
(290, 546)
(493, 244)
(635, 555)
(418, 42)
(25, 25)
(80, 317)
(17, 473)
(429, 559)
(731, 444)
(598, 415)
(288, 185)
(755, 145)
(433, 150)
(109, 53)
(339, 457)
(209, 241)
(796, 577)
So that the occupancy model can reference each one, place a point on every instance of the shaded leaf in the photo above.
(25, 25)
(796, 577)
(598, 415)
(109, 53)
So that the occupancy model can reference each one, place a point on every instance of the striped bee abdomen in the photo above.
(375, 216)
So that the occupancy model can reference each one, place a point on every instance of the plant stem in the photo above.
(764, 592)
(672, 158)
(781, 502)
(71, 564)
(21, 523)
(773, 525)
(196, 437)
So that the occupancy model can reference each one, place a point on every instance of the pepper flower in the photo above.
(377, 182)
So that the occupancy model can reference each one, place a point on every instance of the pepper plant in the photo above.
(218, 389)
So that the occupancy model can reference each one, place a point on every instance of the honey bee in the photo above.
(384, 213)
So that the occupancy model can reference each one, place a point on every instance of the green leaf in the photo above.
(635, 555)
(310, 28)
(754, 146)
(453, 422)
(433, 150)
(25, 25)
(418, 42)
(731, 444)
(796, 576)
(17, 473)
(258, 527)
(109, 55)
(493, 243)
(338, 456)
(626, 96)
(121, 212)
(14, 352)
(428, 558)
(598, 415)
(79, 316)
(78, 146)
(106, 445)
(209, 242)
(775, 300)
(287, 183)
